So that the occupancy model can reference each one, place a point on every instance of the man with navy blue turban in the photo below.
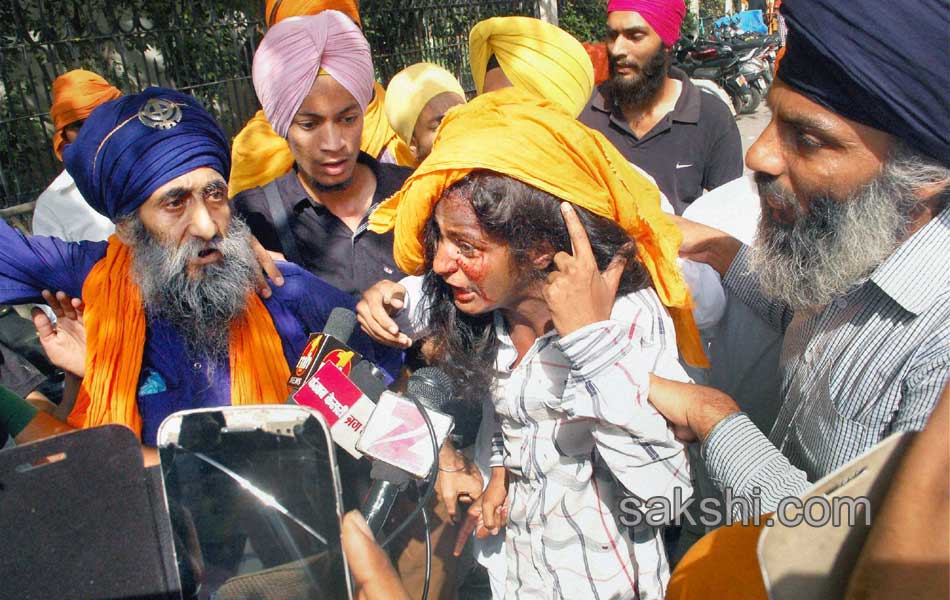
(852, 257)
(172, 318)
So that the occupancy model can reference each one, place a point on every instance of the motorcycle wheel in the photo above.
(746, 100)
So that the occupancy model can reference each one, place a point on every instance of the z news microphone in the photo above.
(398, 435)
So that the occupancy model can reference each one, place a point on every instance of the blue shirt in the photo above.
(171, 379)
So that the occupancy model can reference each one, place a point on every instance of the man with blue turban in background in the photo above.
(172, 315)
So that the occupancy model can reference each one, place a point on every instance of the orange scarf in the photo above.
(537, 142)
(75, 95)
(115, 339)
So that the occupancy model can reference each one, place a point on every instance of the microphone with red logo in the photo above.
(330, 345)
(322, 379)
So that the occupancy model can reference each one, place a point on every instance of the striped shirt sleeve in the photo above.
(739, 457)
(609, 384)
(745, 285)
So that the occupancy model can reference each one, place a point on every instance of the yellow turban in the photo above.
(536, 57)
(276, 11)
(534, 141)
(411, 89)
(378, 135)
(259, 155)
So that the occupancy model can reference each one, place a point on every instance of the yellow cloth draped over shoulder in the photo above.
(539, 143)
(115, 325)
(259, 155)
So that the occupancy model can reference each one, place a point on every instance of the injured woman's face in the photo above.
(478, 269)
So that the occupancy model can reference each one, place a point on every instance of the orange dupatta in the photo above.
(115, 339)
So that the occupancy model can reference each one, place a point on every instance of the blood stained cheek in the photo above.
(476, 269)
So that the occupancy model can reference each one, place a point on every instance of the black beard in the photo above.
(329, 189)
(639, 92)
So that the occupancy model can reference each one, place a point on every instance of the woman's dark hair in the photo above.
(527, 220)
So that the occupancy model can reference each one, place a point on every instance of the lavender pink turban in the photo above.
(294, 51)
(664, 16)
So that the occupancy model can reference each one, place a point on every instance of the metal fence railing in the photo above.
(203, 47)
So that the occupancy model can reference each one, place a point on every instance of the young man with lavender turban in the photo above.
(683, 136)
(259, 155)
(314, 78)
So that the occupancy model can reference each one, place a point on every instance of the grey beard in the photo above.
(836, 245)
(201, 308)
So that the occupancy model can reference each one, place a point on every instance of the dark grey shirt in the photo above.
(695, 147)
(349, 261)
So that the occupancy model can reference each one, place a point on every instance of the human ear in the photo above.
(543, 256)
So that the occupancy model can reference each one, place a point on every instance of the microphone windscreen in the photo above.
(340, 324)
(432, 387)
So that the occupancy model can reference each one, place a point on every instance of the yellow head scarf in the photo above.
(378, 135)
(536, 57)
(534, 141)
(411, 89)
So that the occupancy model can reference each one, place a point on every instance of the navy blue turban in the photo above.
(880, 63)
(130, 147)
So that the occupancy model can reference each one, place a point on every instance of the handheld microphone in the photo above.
(344, 407)
(328, 346)
(396, 440)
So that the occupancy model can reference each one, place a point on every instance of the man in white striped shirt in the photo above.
(852, 257)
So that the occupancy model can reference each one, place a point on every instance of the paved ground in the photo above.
(750, 126)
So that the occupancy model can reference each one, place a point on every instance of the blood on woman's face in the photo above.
(479, 270)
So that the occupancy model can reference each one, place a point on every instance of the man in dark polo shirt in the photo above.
(316, 214)
(684, 137)
(349, 258)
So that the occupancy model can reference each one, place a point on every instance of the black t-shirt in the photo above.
(695, 147)
(328, 248)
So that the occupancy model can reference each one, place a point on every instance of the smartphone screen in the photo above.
(253, 495)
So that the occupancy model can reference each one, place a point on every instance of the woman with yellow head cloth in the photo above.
(258, 155)
(534, 56)
(546, 263)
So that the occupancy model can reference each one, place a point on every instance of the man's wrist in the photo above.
(712, 410)
(725, 251)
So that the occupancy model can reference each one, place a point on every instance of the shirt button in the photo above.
(196, 366)
(841, 303)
